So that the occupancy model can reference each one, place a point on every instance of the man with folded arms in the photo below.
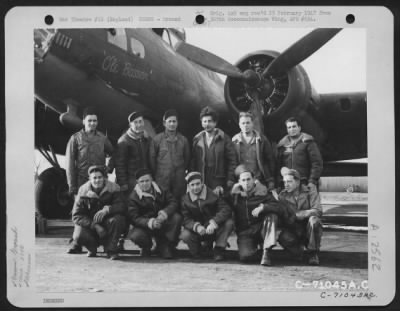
(153, 213)
(206, 218)
(98, 214)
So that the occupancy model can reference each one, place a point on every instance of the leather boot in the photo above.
(266, 258)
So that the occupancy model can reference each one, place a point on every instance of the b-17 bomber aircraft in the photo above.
(154, 69)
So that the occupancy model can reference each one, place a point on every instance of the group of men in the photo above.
(212, 188)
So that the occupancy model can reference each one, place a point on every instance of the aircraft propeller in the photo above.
(260, 84)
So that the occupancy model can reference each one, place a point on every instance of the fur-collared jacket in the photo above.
(205, 208)
(302, 155)
(306, 199)
(88, 203)
(144, 206)
(244, 203)
(265, 156)
(224, 160)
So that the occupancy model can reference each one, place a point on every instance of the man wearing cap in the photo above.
(153, 213)
(170, 156)
(256, 216)
(213, 154)
(98, 214)
(132, 152)
(299, 151)
(85, 148)
(206, 218)
(307, 229)
(254, 150)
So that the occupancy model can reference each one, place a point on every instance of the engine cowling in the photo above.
(282, 95)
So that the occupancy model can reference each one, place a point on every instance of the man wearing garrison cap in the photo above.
(213, 154)
(153, 213)
(98, 214)
(132, 152)
(307, 229)
(206, 218)
(169, 156)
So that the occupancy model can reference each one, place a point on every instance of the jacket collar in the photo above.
(142, 194)
(201, 196)
(219, 134)
(302, 189)
(285, 141)
(135, 136)
(86, 189)
(258, 190)
(85, 133)
(238, 138)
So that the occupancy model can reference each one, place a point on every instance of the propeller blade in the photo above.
(208, 60)
(301, 50)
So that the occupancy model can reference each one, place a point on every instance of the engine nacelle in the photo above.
(283, 95)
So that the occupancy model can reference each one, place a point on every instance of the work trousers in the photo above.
(306, 233)
(263, 232)
(220, 236)
(88, 237)
(167, 234)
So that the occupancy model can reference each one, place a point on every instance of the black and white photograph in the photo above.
(231, 164)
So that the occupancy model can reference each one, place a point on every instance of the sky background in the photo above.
(339, 66)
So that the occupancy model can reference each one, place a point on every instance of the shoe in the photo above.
(313, 260)
(120, 245)
(218, 254)
(75, 249)
(166, 252)
(112, 255)
(145, 252)
(91, 254)
(266, 258)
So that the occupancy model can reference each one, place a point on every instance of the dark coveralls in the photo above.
(169, 159)
(87, 204)
(251, 231)
(306, 232)
(200, 210)
(82, 152)
(216, 162)
(143, 207)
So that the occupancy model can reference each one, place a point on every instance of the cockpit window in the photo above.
(117, 37)
(137, 48)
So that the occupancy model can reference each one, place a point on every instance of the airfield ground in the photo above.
(344, 257)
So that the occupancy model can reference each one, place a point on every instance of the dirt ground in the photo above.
(343, 258)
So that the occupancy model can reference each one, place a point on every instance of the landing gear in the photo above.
(52, 199)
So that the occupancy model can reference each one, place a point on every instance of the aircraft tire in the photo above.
(51, 194)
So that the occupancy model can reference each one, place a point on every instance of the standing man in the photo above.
(256, 217)
(132, 152)
(98, 214)
(307, 229)
(153, 213)
(213, 154)
(300, 152)
(206, 218)
(85, 148)
(170, 156)
(254, 150)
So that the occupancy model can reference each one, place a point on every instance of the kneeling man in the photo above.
(98, 214)
(307, 229)
(206, 218)
(256, 216)
(153, 213)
